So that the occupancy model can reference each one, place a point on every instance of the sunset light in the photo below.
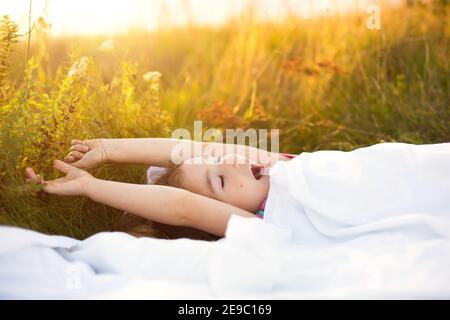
(118, 16)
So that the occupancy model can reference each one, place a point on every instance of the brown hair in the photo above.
(141, 227)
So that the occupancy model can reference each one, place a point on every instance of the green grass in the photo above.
(327, 84)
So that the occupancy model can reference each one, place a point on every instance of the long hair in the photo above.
(141, 227)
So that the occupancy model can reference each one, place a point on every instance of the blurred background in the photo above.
(107, 17)
(313, 69)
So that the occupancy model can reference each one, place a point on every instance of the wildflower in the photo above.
(328, 65)
(152, 76)
(42, 23)
(108, 45)
(78, 69)
(222, 115)
(310, 71)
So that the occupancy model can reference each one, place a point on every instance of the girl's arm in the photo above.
(158, 151)
(157, 203)
(165, 205)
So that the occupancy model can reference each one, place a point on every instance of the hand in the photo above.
(75, 182)
(87, 154)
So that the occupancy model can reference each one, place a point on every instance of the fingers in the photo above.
(80, 164)
(62, 166)
(74, 155)
(30, 174)
(32, 177)
(74, 142)
(49, 187)
(78, 149)
(77, 142)
(54, 186)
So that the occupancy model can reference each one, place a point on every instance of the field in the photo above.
(327, 83)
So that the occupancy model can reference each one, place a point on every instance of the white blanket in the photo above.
(330, 196)
(341, 233)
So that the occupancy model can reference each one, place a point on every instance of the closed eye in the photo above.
(222, 180)
(219, 159)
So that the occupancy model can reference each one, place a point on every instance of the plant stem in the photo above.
(28, 46)
(29, 32)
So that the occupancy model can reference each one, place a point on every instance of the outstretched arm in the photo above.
(157, 203)
(165, 205)
(158, 151)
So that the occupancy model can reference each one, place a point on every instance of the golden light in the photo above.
(116, 16)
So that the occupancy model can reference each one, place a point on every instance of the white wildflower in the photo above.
(108, 45)
(78, 69)
(152, 76)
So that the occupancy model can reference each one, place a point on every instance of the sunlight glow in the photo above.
(116, 16)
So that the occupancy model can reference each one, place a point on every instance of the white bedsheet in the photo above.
(255, 260)
(374, 249)
(330, 196)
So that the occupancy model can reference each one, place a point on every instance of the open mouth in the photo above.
(257, 171)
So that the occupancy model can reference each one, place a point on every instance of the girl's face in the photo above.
(231, 179)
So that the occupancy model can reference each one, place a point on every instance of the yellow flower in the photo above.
(108, 45)
(41, 21)
(152, 76)
(78, 69)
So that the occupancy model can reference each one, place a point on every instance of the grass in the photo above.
(328, 83)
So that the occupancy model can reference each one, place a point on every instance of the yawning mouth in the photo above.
(257, 171)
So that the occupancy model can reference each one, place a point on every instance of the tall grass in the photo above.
(328, 83)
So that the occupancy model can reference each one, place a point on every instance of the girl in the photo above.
(200, 192)
(318, 197)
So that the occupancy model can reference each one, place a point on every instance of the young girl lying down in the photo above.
(319, 197)
(200, 192)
